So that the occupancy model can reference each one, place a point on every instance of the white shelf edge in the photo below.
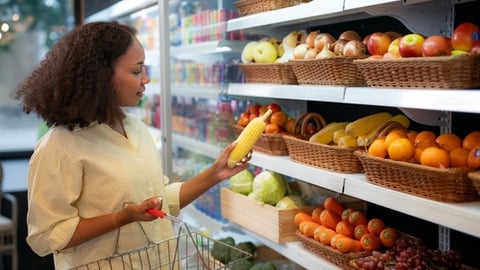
(198, 91)
(284, 91)
(458, 216)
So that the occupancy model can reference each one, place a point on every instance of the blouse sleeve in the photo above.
(54, 183)
(173, 196)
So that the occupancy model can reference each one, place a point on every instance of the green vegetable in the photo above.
(268, 187)
(241, 265)
(264, 266)
(242, 182)
(221, 249)
(291, 201)
(237, 254)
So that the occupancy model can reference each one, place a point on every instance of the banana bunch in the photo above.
(360, 132)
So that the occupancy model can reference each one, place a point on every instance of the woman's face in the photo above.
(130, 76)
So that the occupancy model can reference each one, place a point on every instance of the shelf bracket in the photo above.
(443, 238)
(441, 119)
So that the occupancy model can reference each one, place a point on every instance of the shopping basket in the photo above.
(186, 250)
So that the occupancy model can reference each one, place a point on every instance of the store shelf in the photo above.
(287, 91)
(194, 145)
(456, 100)
(463, 217)
(197, 91)
(192, 51)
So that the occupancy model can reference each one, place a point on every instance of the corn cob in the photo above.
(325, 135)
(247, 139)
(337, 135)
(365, 124)
(347, 141)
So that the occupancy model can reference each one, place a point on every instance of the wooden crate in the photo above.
(265, 220)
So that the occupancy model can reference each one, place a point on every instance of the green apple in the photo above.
(265, 52)
(247, 52)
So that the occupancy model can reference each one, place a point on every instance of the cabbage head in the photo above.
(268, 187)
(242, 182)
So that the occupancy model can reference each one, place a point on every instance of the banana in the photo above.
(325, 135)
(364, 125)
(400, 119)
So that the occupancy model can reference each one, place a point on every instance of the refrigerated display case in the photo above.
(194, 46)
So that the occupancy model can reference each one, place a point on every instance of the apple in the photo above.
(265, 52)
(300, 51)
(464, 35)
(294, 38)
(243, 119)
(253, 108)
(411, 45)
(272, 128)
(378, 43)
(247, 52)
(322, 39)
(393, 49)
(436, 46)
(274, 107)
(475, 50)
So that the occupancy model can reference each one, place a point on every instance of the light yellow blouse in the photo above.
(89, 172)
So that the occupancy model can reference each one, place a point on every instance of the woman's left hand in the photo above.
(220, 165)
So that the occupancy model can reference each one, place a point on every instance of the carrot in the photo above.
(357, 217)
(375, 226)
(388, 236)
(370, 242)
(345, 228)
(346, 213)
(359, 231)
(356, 245)
(334, 239)
(333, 205)
(309, 227)
(344, 244)
(316, 214)
(318, 230)
(329, 219)
(326, 236)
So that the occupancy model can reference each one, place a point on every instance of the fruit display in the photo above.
(425, 147)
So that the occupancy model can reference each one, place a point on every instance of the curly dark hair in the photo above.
(73, 86)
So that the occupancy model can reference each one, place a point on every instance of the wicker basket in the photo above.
(446, 185)
(277, 73)
(338, 70)
(248, 7)
(329, 253)
(335, 158)
(475, 178)
(272, 144)
(449, 72)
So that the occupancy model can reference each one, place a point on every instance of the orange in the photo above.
(448, 141)
(377, 148)
(421, 145)
(425, 134)
(459, 157)
(471, 140)
(473, 159)
(435, 157)
(280, 118)
(375, 226)
(301, 216)
(393, 135)
(401, 149)
(412, 135)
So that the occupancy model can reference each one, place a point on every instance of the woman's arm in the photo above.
(199, 184)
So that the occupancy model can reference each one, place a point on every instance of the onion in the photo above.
(338, 46)
(354, 48)
(310, 39)
(322, 39)
(311, 53)
(350, 35)
(393, 35)
(325, 52)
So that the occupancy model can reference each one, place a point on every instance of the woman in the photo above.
(96, 172)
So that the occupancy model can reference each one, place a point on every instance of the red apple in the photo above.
(475, 48)
(436, 46)
(464, 35)
(411, 45)
(378, 43)
(322, 39)
(274, 107)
